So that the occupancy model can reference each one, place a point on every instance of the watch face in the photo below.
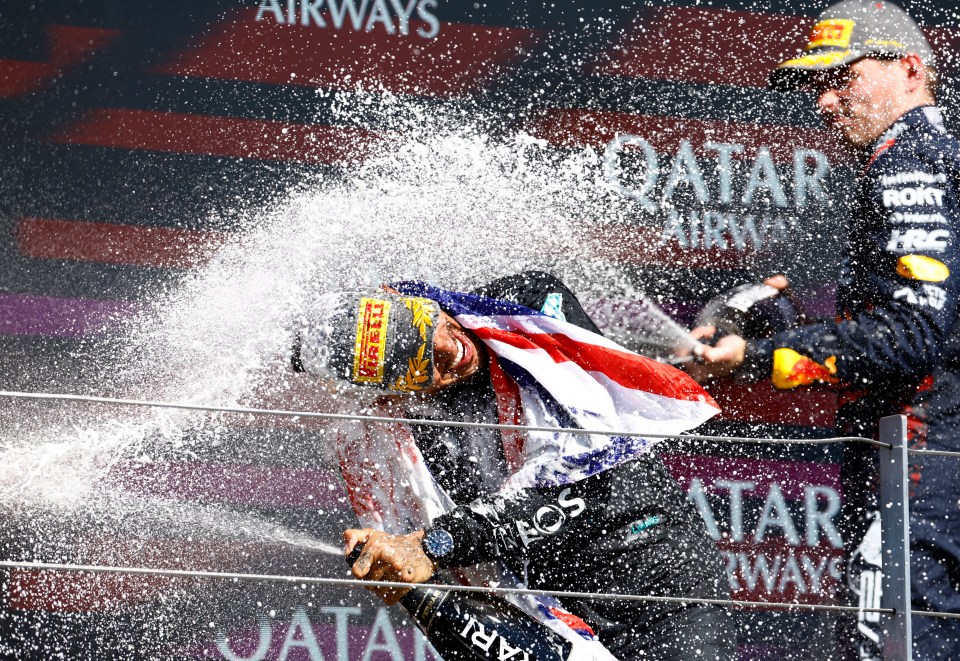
(438, 543)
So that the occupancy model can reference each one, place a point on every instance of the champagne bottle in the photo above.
(465, 626)
(752, 311)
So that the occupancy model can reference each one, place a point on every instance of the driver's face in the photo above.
(457, 353)
(861, 100)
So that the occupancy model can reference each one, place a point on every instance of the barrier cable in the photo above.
(182, 573)
(351, 417)
(352, 583)
(935, 453)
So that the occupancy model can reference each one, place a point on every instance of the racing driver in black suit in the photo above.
(627, 529)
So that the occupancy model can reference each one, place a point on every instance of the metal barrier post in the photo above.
(895, 538)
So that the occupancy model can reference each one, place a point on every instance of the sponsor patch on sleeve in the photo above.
(913, 196)
(792, 369)
(928, 296)
(921, 267)
(908, 240)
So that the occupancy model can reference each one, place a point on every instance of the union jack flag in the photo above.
(551, 373)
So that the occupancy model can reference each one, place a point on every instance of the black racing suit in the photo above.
(895, 349)
(627, 530)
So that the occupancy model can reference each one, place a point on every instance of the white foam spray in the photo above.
(443, 202)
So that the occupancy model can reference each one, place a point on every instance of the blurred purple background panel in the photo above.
(22, 314)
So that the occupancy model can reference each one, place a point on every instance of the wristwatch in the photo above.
(437, 543)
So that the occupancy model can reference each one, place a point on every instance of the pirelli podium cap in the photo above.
(370, 338)
(851, 30)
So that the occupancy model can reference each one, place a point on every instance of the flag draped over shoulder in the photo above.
(545, 373)
(550, 373)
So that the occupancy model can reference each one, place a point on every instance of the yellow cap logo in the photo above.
(832, 33)
(369, 352)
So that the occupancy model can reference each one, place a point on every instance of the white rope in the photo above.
(936, 453)
(179, 573)
(416, 421)
(354, 583)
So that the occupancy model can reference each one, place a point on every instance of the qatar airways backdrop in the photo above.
(134, 135)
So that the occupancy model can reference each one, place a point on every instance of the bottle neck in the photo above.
(423, 603)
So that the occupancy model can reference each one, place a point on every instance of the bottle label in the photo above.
(478, 636)
(427, 607)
